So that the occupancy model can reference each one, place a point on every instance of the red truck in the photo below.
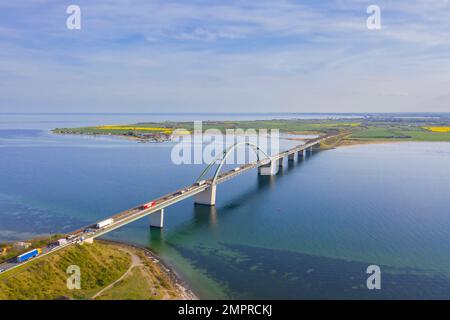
(148, 205)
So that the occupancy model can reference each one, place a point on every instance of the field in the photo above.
(437, 129)
(401, 133)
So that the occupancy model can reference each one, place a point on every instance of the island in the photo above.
(362, 129)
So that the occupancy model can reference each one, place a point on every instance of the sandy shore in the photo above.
(356, 142)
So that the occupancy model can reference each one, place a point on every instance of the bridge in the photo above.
(203, 190)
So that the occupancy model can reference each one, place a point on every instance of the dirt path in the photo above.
(135, 262)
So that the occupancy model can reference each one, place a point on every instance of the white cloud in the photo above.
(236, 56)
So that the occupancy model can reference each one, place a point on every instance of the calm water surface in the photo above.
(309, 232)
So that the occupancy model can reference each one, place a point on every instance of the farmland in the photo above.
(367, 128)
(437, 129)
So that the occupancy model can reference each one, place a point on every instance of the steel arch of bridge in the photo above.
(222, 157)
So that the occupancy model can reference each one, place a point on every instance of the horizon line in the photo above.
(221, 113)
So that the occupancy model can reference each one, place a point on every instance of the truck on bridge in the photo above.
(148, 205)
(104, 223)
(28, 255)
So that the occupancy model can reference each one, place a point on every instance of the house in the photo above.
(21, 245)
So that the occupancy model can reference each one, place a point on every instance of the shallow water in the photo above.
(309, 232)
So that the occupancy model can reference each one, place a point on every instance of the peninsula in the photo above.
(364, 129)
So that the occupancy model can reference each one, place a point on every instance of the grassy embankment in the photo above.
(101, 264)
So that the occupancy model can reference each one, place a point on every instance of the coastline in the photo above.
(357, 142)
(176, 279)
(342, 143)
(112, 270)
(140, 139)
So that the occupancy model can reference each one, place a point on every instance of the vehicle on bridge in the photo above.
(80, 240)
(61, 241)
(148, 205)
(57, 243)
(28, 255)
(104, 223)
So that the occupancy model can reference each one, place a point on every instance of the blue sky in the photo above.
(224, 56)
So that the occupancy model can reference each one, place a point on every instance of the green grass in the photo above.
(144, 282)
(379, 133)
(412, 133)
(101, 264)
(45, 278)
(430, 136)
(136, 286)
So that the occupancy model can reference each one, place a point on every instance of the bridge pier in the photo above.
(293, 157)
(207, 197)
(157, 219)
(302, 153)
(269, 169)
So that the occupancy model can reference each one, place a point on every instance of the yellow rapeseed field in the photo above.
(438, 129)
(113, 127)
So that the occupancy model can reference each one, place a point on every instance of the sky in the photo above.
(224, 56)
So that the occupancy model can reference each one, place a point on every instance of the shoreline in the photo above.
(343, 143)
(356, 142)
(148, 139)
(176, 279)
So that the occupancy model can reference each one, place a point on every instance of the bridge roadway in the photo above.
(130, 215)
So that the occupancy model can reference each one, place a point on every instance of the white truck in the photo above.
(104, 223)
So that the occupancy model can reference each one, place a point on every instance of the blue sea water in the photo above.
(309, 232)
